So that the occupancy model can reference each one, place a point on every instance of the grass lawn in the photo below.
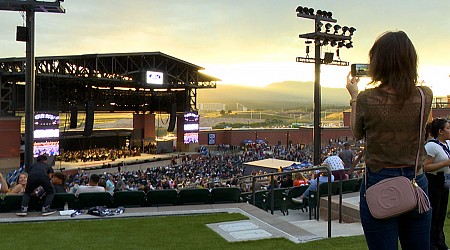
(172, 232)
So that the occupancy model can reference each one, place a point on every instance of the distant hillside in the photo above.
(274, 96)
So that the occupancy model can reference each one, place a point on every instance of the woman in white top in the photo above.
(436, 167)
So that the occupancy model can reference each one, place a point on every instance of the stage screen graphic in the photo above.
(211, 139)
(191, 127)
(46, 133)
(154, 77)
(190, 138)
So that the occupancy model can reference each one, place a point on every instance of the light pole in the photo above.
(30, 7)
(322, 36)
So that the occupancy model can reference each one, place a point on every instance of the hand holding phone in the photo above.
(359, 69)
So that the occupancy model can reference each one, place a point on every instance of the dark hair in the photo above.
(41, 158)
(393, 62)
(62, 176)
(436, 125)
(95, 178)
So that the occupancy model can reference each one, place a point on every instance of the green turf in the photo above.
(172, 232)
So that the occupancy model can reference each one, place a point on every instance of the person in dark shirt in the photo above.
(347, 155)
(39, 176)
(287, 182)
(59, 180)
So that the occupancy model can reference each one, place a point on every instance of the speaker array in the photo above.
(89, 121)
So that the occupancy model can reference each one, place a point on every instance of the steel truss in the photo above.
(113, 81)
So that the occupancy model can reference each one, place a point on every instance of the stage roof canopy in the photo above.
(114, 81)
(267, 165)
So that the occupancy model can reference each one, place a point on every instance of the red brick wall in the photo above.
(10, 135)
(275, 136)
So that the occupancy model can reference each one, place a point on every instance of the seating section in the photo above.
(279, 200)
(225, 195)
(163, 197)
(129, 199)
(350, 186)
(323, 188)
(12, 203)
(60, 200)
(169, 197)
(259, 196)
(92, 199)
(295, 192)
(191, 196)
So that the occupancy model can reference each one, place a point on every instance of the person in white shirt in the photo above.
(436, 167)
(92, 186)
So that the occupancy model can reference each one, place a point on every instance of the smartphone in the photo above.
(359, 69)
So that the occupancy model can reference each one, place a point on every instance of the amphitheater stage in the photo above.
(126, 164)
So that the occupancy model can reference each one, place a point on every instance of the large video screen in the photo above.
(46, 133)
(191, 127)
(154, 77)
(191, 122)
(190, 138)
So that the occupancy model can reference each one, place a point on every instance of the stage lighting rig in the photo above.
(340, 37)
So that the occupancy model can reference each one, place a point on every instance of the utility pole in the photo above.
(341, 37)
(30, 7)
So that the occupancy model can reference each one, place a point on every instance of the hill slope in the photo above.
(274, 96)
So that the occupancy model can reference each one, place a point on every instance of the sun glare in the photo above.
(260, 74)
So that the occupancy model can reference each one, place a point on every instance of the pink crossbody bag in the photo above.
(395, 196)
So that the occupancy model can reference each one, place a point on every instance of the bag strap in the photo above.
(422, 111)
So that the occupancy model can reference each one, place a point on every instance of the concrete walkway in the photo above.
(261, 224)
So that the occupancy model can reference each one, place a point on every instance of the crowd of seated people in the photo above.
(199, 172)
(216, 170)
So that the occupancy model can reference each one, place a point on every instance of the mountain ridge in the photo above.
(287, 94)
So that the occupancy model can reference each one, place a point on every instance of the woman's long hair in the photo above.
(393, 62)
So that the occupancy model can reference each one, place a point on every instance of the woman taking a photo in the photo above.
(436, 166)
(388, 118)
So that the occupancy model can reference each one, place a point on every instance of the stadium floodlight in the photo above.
(344, 30)
(319, 26)
(305, 12)
(351, 30)
(336, 27)
(328, 27)
(349, 45)
(323, 37)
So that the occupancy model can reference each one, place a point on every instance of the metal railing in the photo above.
(272, 182)
(340, 190)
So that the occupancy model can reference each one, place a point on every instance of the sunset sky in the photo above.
(246, 42)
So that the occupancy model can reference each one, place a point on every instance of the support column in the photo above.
(143, 129)
(181, 147)
(29, 90)
(149, 127)
(10, 151)
(138, 131)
